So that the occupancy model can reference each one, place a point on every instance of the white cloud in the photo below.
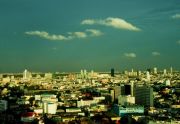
(46, 35)
(88, 22)
(130, 55)
(77, 34)
(112, 22)
(178, 42)
(54, 48)
(70, 36)
(94, 32)
(176, 16)
(156, 53)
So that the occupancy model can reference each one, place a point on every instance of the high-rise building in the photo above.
(112, 72)
(155, 70)
(148, 76)
(132, 88)
(127, 89)
(133, 73)
(164, 72)
(112, 93)
(143, 95)
(123, 90)
(149, 70)
(171, 70)
(84, 74)
(1, 76)
(26, 75)
(138, 73)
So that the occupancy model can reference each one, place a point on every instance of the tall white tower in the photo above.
(171, 70)
(155, 70)
(25, 74)
(82, 74)
(132, 88)
(164, 72)
(85, 73)
(148, 76)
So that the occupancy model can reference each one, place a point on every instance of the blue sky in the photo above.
(70, 35)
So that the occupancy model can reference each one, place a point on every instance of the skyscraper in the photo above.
(26, 75)
(112, 93)
(155, 70)
(112, 72)
(144, 95)
(148, 76)
(164, 72)
(127, 89)
(171, 70)
(83, 73)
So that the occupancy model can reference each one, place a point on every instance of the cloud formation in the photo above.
(156, 53)
(46, 35)
(130, 55)
(178, 42)
(94, 32)
(111, 22)
(70, 36)
(176, 16)
(54, 48)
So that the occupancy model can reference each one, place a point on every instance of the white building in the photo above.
(48, 75)
(168, 82)
(126, 100)
(27, 75)
(82, 103)
(71, 110)
(148, 77)
(49, 107)
(155, 70)
(171, 70)
(48, 103)
(6, 79)
(164, 72)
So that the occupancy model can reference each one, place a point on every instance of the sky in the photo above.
(70, 35)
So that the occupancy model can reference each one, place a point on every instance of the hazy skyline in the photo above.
(67, 35)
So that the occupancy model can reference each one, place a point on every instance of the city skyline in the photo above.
(66, 35)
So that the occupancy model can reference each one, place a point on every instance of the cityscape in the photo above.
(88, 97)
(90, 62)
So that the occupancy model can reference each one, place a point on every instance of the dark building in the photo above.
(112, 72)
(149, 70)
(127, 90)
(144, 95)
